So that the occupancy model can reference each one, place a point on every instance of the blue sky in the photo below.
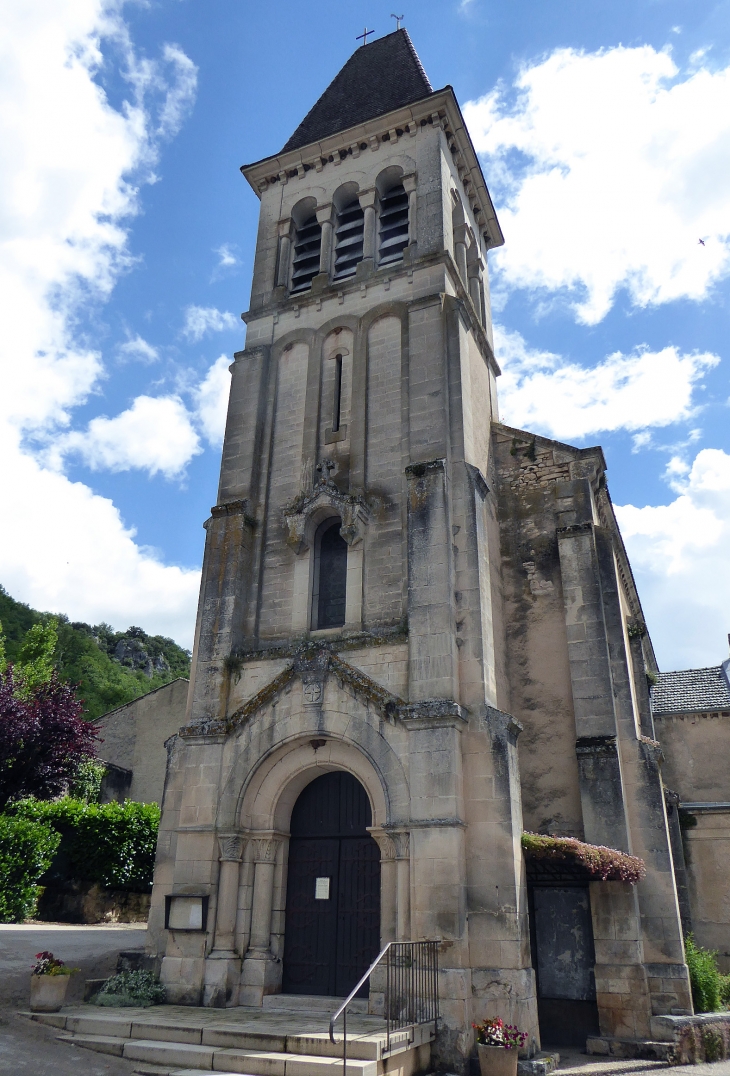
(127, 231)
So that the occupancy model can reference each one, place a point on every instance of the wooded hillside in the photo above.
(107, 667)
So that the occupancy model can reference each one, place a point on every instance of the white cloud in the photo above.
(226, 256)
(154, 435)
(548, 393)
(212, 400)
(611, 166)
(138, 348)
(65, 549)
(70, 165)
(200, 320)
(679, 555)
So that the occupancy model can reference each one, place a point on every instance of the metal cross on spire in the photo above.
(398, 20)
(364, 35)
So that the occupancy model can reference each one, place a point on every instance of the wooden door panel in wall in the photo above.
(332, 930)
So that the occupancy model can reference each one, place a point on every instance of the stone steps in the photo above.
(220, 1059)
(171, 1039)
(311, 1003)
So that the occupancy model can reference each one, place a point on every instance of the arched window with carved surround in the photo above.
(330, 575)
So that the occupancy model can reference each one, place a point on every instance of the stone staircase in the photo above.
(289, 1037)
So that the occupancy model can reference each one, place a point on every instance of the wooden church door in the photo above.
(332, 931)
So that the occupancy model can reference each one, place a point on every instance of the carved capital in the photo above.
(402, 843)
(231, 847)
(385, 844)
(264, 849)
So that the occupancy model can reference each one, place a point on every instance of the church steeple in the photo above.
(378, 78)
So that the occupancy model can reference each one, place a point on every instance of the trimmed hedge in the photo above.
(112, 844)
(26, 850)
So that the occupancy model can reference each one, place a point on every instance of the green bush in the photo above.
(112, 844)
(86, 785)
(131, 988)
(26, 850)
(725, 990)
(704, 976)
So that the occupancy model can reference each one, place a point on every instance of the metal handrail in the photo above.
(410, 976)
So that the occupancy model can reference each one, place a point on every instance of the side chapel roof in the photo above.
(691, 691)
(378, 78)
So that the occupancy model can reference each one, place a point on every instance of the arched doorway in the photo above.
(332, 929)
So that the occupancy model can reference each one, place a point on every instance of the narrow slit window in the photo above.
(307, 246)
(393, 221)
(349, 239)
(330, 576)
(337, 397)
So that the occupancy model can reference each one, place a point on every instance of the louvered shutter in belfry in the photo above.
(307, 245)
(349, 239)
(393, 225)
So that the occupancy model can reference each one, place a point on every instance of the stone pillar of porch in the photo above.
(223, 966)
(258, 973)
(402, 842)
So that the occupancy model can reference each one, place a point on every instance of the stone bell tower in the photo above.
(348, 618)
(352, 674)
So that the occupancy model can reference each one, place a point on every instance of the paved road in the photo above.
(28, 1049)
(93, 949)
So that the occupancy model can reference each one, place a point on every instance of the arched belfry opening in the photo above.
(332, 927)
(329, 590)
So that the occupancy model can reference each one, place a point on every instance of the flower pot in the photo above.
(496, 1061)
(48, 992)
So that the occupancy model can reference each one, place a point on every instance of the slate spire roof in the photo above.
(378, 78)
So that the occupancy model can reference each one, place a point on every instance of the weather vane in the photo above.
(398, 19)
(364, 35)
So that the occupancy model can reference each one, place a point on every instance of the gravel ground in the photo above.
(28, 1048)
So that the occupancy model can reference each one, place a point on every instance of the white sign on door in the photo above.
(322, 889)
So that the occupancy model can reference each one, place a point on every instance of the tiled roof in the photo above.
(378, 78)
(691, 690)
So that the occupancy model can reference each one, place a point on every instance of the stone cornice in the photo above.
(440, 109)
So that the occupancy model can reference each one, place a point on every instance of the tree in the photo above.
(43, 738)
(35, 661)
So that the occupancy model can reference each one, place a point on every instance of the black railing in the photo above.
(408, 976)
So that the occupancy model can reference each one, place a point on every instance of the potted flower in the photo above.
(498, 1045)
(49, 983)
